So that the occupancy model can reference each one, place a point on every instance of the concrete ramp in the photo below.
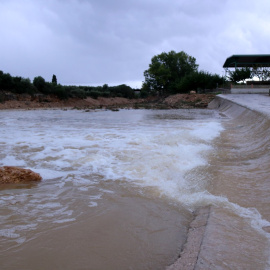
(233, 233)
(190, 253)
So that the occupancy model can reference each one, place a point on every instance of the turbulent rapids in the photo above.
(119, 188)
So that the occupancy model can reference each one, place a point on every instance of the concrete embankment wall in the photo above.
(190, 253)
(250, 90)
(227, 107)
(198, 253)
(234, 105)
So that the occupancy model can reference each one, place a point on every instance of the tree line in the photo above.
(20, 85)
(168, 73)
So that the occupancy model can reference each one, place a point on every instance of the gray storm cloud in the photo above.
(97, 42)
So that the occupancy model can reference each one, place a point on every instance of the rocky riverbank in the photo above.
(177, 101)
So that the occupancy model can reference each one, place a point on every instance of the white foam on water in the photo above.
(77, 150)
(64, 220)
(207, 131)
(14, 232)
(251, 215)
(49, 174)
(12, 160)
(158, 158)
(93, 204)
(9, 233)
(49, 205)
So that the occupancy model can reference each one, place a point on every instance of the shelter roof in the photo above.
(247, 60)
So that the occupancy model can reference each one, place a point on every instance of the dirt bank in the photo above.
(171, 102)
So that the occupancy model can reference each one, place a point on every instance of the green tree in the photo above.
(39, 83)
(263, 73)
(122, 90)
(54, 79)
(240, 74)
(199, 80)
(166, 71)
(105, 87)
(22, 85)
(6, 81)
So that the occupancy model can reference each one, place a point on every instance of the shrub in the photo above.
(40, 84)
(105, 94)
(6, 82)
(198, 80)
(79, 93)
(94, 94)
(122, 91)
(144, 94)
(61, 92)
(22, 85)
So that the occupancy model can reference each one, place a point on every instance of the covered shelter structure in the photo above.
(247, 60)
(259, 65)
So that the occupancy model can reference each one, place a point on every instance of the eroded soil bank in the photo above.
(175, 101)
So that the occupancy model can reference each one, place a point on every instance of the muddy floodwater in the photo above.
(119, 188)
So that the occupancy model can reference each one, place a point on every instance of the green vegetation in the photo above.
(168, 73)
(240, 74)
(199, 80)
(54, 79)
(171, 73)
(263, 73)
(19, 85)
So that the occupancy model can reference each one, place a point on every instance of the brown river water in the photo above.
(119, 188)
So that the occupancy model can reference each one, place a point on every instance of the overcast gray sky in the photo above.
(112, 41)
